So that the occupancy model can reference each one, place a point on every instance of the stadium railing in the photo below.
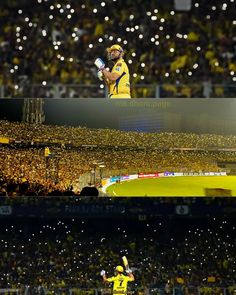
(180, 290)
(197, 90)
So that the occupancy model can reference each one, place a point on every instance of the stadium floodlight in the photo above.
(183, 5)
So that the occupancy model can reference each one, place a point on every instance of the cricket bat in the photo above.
(125, 262)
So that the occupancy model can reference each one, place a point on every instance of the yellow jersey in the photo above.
(121, 86)
(120, 284)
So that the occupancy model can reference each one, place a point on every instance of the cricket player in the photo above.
(118, 79)
(119, 281)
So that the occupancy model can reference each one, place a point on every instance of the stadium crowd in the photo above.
(25, 170)
(44, 42)
(71, 253)
(77, 136)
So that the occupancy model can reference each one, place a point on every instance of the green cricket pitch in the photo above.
(184, 186)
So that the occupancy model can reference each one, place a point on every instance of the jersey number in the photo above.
(121, 282)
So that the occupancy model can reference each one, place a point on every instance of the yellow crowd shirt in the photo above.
(120, 283)
(122, 84)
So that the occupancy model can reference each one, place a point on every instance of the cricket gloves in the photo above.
(100, 75)
(102, 273)
(99, 63)
(129, 270)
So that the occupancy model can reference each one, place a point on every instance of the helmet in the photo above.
(120, 268)
(114, 47)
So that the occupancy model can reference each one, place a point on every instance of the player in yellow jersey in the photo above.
(118, 79)
(120, 281)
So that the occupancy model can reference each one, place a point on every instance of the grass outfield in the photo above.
(172, 186)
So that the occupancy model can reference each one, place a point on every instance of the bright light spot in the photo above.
(118, 39)
(216, 63)
(195, 66)
(20, 48)
(30, 24)
(142, 64)
(162, 20)
(12, 71)
(155, 10)
(167, 36)
(20, 11)
(133, 54)
(154, 17)
(71, 59)
(213, 8)
(44, 33)
(130, 61)
(232, 73)
(185, 36)
(90, 45)
(51, 7)
(61, 10)
(134, 75)
(16, 87)
(208, 16)
(18, 29)
(157, 36)
(224, 6)
(234, 22)
(24, 38)
(157, 43)
(69, 16)
(16, 67)
(68, 6)
(152, 39)
(132, 29)
(50, 16)
(234, 79)
(125, 42)
(26, 19)
(136, 27)
(149, 13)
(95, 10)
(72, 10)
(172, 13)
(18, 40)
(101, 86)
(103, 4)
(62, 58)
(44, 83)
(167, 74)
(161, 28)
(196, 4)
(198, 48)
(106, 18)
(172, 49)
(111, 38)
(58, 5)
(131, 17)
(190, 73)
(140, 36)
(142, 77)
(177, 71)
(56, 47)
(73, 35)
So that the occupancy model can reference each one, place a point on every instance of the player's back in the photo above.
(120, 284)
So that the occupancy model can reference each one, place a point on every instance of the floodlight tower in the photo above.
(33, 111)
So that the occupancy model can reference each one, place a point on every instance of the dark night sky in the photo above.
(102, 113)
